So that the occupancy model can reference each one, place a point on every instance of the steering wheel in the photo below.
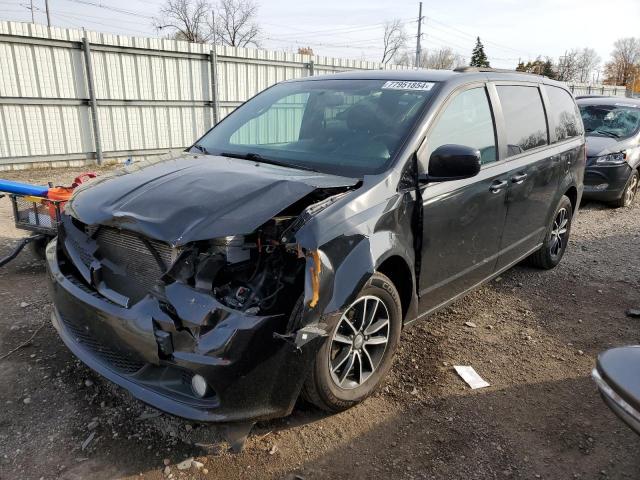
(388, 139)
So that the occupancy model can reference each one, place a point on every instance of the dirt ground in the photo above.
(536, 338)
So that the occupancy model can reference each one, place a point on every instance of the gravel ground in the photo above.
(536, 338)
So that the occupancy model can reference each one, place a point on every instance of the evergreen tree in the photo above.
(478, 57)
(547, 69)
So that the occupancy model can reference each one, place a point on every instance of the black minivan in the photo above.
(284, 252)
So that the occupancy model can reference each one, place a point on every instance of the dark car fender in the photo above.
(350, 252)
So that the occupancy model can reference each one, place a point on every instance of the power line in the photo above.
(110, 8)
(85, 20)
(466, 34)
(335, 31)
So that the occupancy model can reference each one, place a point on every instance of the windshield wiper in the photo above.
(197, 146)
(606, 133)
(256, 157)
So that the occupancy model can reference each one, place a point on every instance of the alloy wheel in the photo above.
(359, 342)
(559, 232)
(630, 192)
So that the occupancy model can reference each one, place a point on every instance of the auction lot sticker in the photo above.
(407, 85)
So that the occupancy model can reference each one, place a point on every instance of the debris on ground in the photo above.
(185, 464)
(86, 443)
(469, 375)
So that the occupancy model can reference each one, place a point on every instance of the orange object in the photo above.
(82, 178)
(315, 278)
(60, 193)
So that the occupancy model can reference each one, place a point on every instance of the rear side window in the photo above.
(524, 118)
(565, 114)
(466, 120)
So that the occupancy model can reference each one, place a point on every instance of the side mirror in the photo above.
(452, 162)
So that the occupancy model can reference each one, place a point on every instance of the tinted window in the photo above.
(346, 127)
(467, 120)
(524, 118)
(565, 114)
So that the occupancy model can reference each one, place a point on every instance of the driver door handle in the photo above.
(497, 186)
(519, 178)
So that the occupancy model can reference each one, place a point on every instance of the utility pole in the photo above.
(33, 20)
(46, 5)
(418, 46)
(214, 73)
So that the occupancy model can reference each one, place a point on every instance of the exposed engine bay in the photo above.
(244, 272)
(261, 273)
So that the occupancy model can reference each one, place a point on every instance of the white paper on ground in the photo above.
(470, 376)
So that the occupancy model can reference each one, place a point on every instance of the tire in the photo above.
(629, 192)
(550, 254)
(322, 388)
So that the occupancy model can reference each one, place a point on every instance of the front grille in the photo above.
(118, 361)
(135, 268)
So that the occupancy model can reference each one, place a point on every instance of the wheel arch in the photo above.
(572, 194)
(397, 270)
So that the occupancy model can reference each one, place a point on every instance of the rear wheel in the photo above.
(359, 350)
(556, 238)
(629, 192)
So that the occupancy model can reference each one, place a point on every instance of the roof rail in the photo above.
(485, 69)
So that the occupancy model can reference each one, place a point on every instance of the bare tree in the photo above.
(568, 66)
(394, 39)
(236, 23)
(404, 58)
(442, 59)
(625, 60)
(588, 62)
(305, 51)
(186, 19)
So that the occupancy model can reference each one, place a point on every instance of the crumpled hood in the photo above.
(597, 145)
(194, 197)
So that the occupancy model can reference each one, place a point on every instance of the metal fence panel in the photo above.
(151, 94)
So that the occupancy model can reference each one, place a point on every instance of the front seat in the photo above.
(364, 126)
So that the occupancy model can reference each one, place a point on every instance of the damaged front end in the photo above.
(220, 329)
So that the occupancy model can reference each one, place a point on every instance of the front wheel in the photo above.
(557, 237)
(629, 192)
(359, 350)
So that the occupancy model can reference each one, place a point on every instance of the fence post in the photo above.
(213, 59)
(310, 67)
(93, 105)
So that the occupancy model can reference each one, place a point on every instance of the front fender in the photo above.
(348, 260)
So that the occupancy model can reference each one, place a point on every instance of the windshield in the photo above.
(343, 127)
(617, 121)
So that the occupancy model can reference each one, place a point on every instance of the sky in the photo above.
(510, 29)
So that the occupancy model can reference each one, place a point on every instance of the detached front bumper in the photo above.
(252, 373)
(605, 183)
